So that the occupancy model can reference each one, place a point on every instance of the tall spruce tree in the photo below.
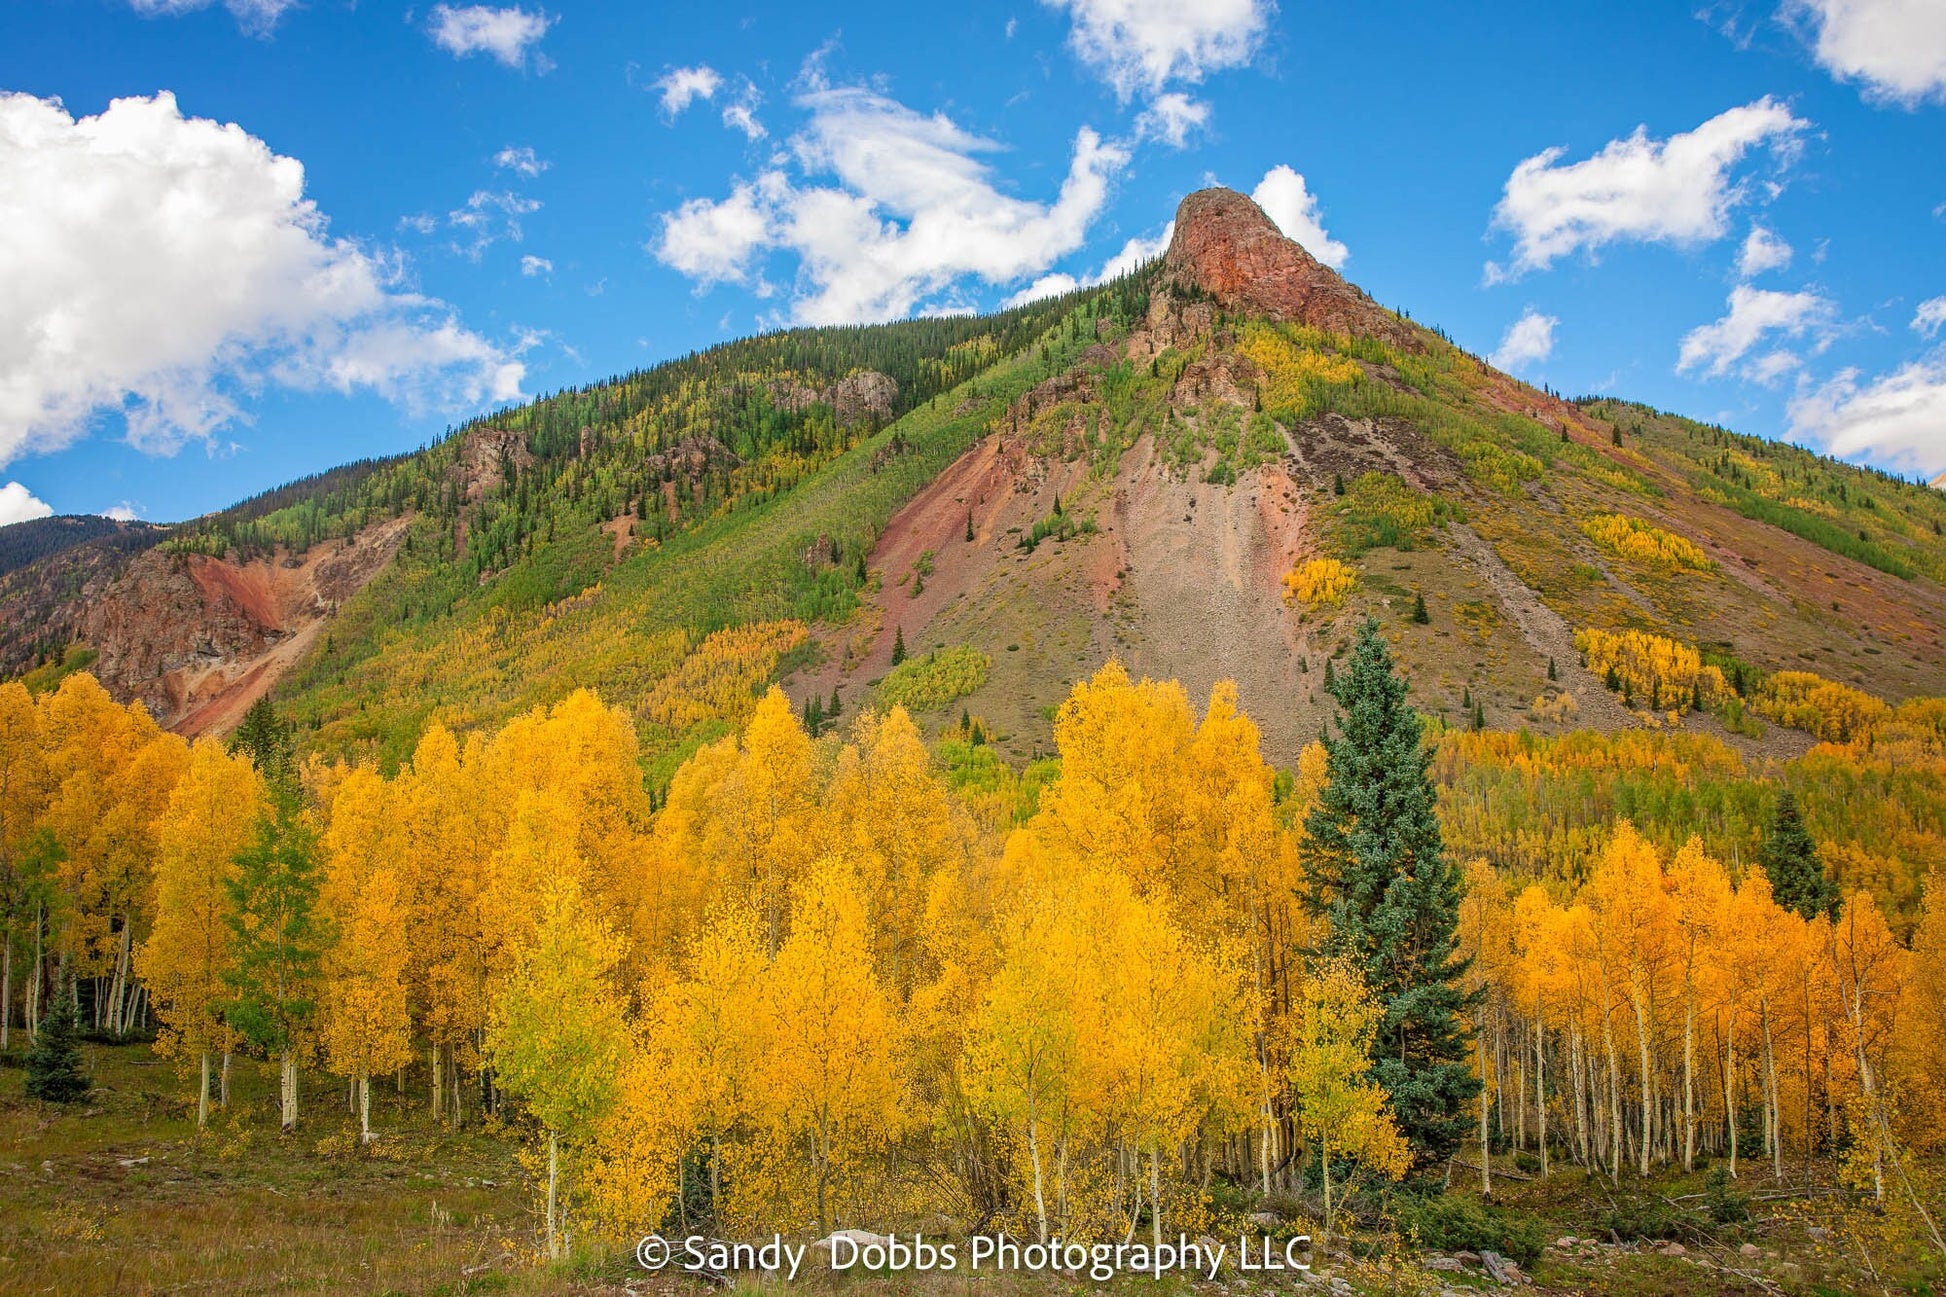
(1790, 858)
(1377, 870)
(54, 1071)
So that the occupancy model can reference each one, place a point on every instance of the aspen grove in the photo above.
(817, 981)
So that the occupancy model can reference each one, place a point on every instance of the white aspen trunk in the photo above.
(1540, 1081)
(34, 987)
(364, 1108)
(1324, 1160)
(223, 1089)
(202, 1095)
(553, 1184)
(1648, 1103)
(120, 987)
(1155, 1196)
(1730, 1091)
(438, 1082)
(288, 1089)
(1689, 1084)
(1034, 1151)
(6, 988)
(1776, 1099)
(1614, 1100)
(1486, 1159)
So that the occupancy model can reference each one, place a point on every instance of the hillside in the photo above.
(1129, 471)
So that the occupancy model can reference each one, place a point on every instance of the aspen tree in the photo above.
(366, 1025)
(211, 814)
(1338, 1104)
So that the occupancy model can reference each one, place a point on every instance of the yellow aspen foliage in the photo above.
(1337, 1106)
(1807, 701)
(831, 1088)
(211, 815)
(721, 676)
(365, 1024)
(1652, 671)
(1292, 362)
(1645, 543)
(558, 1035)
(1319, 583)
(901, 826)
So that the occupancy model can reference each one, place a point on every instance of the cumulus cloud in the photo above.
(1930, 316)
(1172, 119)
(521, 161)
(1140, 46)
(254, 16)
(1894, 420)
(1895, 48)
(505, 34)
(126, 511)
(532, 266)
(1282, 195)
(1680, 190)
(883, 207)
(163, 268)
(1528, 341)
(1761, 251)
(681, 87)
(1755, 314)
(1136, 252)
(17, 504)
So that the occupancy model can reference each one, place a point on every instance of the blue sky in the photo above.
(308, 232)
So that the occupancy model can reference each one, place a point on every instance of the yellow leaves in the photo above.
(1652, 671)
(1644, 543)
(1330, 1060)
(1293, 364)
(1807, 701)
(365, 1025)
(929, 682)
(720, 678)
(212, 811)
(1319, 583)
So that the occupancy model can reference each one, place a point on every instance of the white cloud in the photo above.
(1282, 195)
(1762, 251)
(532, 266)
(1528, 341)
(506, 34)
(1930, 316)
(126, 511)
(521, 161)
(1897, 420)
(913, 210)
(490, 215)
(254, 16)
(164, 268)
(1136, 252)
(1172, 118)
(1754, 314)
(1677, 190)
(682, 87)
(17, 504)
(1140, 46)
(1897, 48)
(740, 114)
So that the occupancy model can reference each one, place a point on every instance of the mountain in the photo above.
(1184, 468)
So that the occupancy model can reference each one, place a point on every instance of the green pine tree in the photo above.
(1377, 868)
(898, 645)
(1479, 715)
(269, 741)
(1790, 858)
(1551, 675)
(969, 526)
(832, 708)
(1419, 613)
(54, 1071)
(1337, 484)
(1330, 677)
(278, 941)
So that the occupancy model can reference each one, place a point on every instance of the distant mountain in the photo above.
(26, 542)
(1169, 469)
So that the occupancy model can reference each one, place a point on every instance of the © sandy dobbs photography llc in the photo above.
(1046, 647)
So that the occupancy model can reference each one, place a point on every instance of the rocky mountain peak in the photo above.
(1225, 246)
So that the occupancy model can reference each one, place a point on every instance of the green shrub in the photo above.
(1648, 1219)
(1452, 1223)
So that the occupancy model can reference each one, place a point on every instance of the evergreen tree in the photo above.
(277, 942)
(832, 708)
(969, 526)
(269, 741)
(898, 645)
(54, 1063)
(1378, 870)
(1419, 613)
(1337, 484)
(1790, 858)
(1551, 674)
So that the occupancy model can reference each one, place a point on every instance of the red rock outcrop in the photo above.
(1227, 247)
